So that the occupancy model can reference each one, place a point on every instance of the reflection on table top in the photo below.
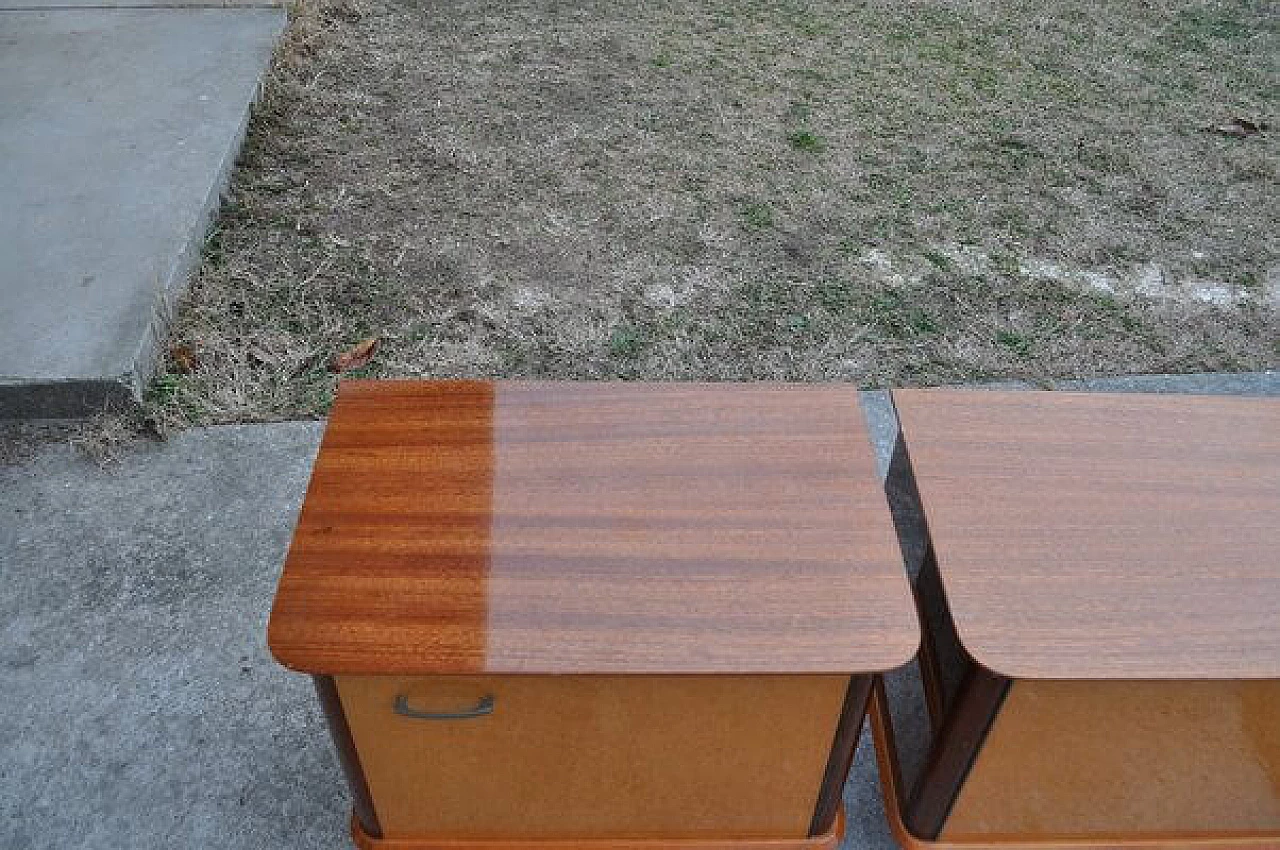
(467, 527)
(1092, 536)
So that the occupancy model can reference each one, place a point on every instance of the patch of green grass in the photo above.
(757, 216)
(1194, 29)
(214, 252)
(808, 75)
(1018, 343)
(164, 388)
(898, 318)
(1250, 281)
(626, 343)
(804, 140)
(1006, 264)
(814, 28)
(1104, 314)
(939, 259)
(920, 322)
(173, 396)
(797, 322)
(800, 110)
(850, 246)
(836, 296)
(1016, 152)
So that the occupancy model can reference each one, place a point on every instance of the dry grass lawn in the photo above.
(885, 193)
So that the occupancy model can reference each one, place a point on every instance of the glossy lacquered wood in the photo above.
(842, 751)
(894, 795)
(955, 748)
(596, 756)
(1090, 536)
(477, 527)
(1144, 759)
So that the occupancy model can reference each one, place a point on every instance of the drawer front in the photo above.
(593, 756)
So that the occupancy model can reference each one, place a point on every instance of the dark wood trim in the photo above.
(886, 742)
(841, 759)
(962, 697)
(913, 538)
(948, 662)
(927, 609)
(906, 507)
(362, 801)
(954, 750)
(942, 658)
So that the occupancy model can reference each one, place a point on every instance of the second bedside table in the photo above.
(1101, 594)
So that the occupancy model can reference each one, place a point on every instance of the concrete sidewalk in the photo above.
(139, 707)
(118, 131)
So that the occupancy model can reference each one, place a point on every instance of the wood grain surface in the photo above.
(893, 792)
(472, 527)
(844, 748)
(1144, 759)
(954, 750)
(597, 756)
(1092, 536)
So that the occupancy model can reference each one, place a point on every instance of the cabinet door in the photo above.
(594, 756)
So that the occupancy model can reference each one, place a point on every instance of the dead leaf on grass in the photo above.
(1237, 128)
(356, 356)
(184, 359)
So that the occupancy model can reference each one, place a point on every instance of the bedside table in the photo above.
(1101, 600)
(574, 615)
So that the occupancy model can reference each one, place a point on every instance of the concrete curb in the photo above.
(88, 5)
(36, 380)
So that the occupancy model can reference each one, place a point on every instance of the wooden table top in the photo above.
(1092, 536)
(492, 527)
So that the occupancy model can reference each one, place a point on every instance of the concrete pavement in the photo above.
(40, 5)
(138, 705)
(118, 131)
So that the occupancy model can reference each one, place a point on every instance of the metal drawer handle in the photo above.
(483, 707)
